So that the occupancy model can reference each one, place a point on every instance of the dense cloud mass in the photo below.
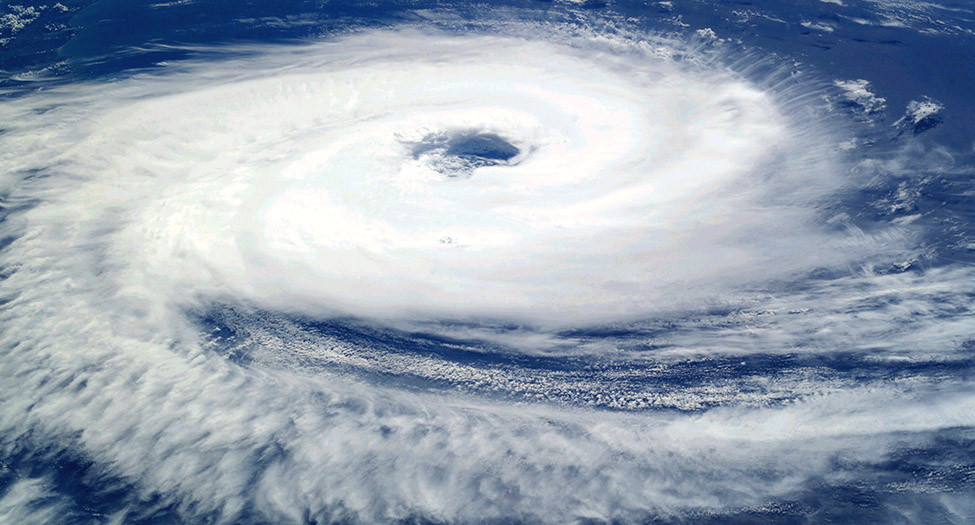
(525, 271)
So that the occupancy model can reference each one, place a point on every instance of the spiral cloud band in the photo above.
(475, 175)
(195, 255)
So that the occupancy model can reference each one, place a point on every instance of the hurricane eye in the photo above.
(456, 154)
(486, 147)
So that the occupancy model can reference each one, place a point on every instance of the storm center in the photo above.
(456, 154)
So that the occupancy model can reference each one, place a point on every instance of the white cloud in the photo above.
(33, 500)
(818, 26)
(858, 92)
(282, 181)
(919, 110)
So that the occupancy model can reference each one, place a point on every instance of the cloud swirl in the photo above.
(365, 278)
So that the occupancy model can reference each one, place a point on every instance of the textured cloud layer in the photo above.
(336, 178)
(552, 178)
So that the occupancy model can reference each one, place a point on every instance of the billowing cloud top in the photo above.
(187, 247)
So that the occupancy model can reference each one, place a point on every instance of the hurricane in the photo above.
(528, 265)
